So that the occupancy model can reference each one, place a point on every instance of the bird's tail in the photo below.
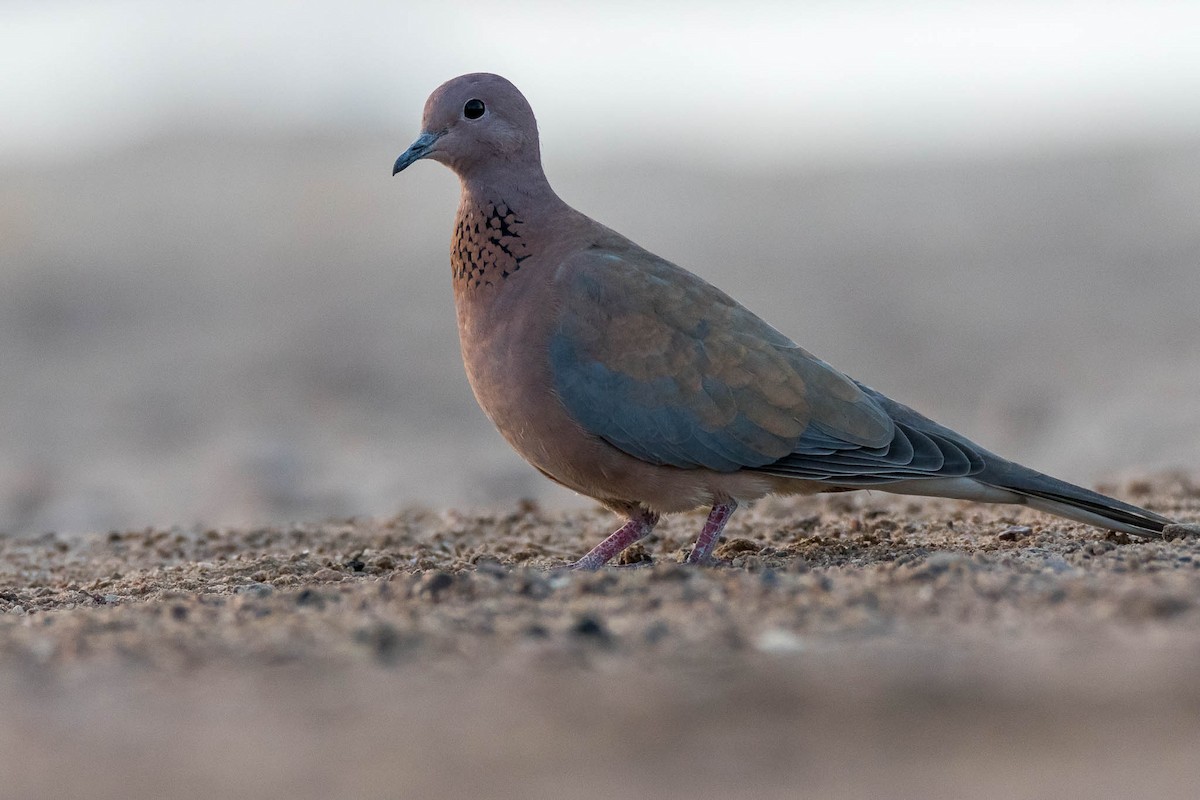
(1053, 496)
(985, 477)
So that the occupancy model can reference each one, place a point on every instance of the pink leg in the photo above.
(638, 527)
(720, 514)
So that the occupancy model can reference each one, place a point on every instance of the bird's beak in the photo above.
(419, 149)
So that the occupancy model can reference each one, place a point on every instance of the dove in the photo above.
(628, 379)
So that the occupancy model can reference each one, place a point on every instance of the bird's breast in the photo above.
(504, 344)
(487, 248)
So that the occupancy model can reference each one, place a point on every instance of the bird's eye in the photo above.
(473, 109)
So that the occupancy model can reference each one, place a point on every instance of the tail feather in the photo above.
(976, 474)
(1073, 502)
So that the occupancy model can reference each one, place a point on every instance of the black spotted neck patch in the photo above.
(487, 247)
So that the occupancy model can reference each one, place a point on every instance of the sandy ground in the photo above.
(852, 646)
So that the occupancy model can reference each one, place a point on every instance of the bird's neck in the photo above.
(487, 248)
(497, 221)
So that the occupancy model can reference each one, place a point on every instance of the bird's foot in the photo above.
(588, 563)
(637, 528)
(581, 566)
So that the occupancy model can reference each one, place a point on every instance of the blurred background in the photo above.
(217, 306)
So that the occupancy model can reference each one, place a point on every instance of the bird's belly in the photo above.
(514, 392)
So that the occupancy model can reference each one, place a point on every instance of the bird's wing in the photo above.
(671, 370)
(919, 448)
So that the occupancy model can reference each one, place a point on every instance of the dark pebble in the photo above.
(255, 589)
(592, 629)
(310, 598)
(434, 583)
(1014, 532)
(656, 632)
(387, 644)
(535, 587)
(487, 565)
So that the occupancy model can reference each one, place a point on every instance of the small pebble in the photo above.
(311, 598)
(255, 589)
(489, 565)
(1015, 532)
(779, 641)
(434, 583)
(1182, 530)
(591, 628)
(656, 632)
(535, 587)
(327, 575)
(636, 554)
(937, 563)
(536, 631)
(1057, 564)
(387, 643)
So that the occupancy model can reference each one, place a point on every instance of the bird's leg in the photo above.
(720, 514)
(639, 526)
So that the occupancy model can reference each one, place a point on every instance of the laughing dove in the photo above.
(628, 379)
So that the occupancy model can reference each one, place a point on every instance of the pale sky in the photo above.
(802, 79)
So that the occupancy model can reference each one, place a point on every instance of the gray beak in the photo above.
(419, 149)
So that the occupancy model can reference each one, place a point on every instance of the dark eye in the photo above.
(473, 109)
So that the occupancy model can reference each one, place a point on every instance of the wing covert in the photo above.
(671, 370)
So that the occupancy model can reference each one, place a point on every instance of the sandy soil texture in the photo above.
(850, 646)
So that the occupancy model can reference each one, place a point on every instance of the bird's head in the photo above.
(473, 122)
